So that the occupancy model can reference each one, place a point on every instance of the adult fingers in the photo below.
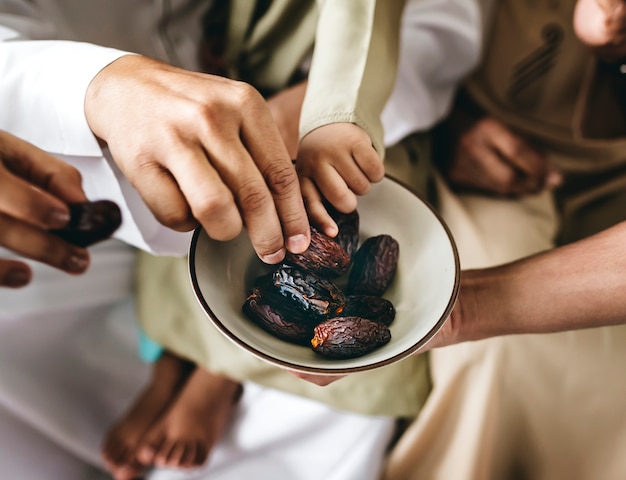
(14, 274)
(482, 168)
(263, 141)
(206, 189)
(161, 190)
(22, 201)
(41, 169)
(39, 245)
(253, 197)
(520, 154)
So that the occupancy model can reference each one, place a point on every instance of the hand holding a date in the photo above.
(35, 192)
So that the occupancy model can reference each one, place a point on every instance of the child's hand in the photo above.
(336, 162)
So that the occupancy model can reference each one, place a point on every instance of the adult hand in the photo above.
(601, 24)
(489, 157)
(200, 148)
(35, 190)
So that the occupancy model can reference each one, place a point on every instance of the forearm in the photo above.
(354, 65)
(577, 286)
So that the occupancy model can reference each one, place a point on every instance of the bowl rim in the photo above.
(334, 370)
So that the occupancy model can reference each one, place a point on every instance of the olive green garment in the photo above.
(539, 79)
(170, 315)
(351, 42)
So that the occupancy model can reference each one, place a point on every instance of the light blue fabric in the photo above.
(149, 350)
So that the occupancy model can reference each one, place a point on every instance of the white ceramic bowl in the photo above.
(423, 291)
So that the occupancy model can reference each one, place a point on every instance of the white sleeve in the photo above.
(440, 43)
(42, 92)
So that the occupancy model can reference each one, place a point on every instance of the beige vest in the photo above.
(537, 77)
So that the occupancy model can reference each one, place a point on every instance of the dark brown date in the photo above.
(349, 337)
(377, 309)
(271, 319)
(289, 309)
(324, 256)
(315, 295)
(374, 266)
(91, 222)
(348, 224)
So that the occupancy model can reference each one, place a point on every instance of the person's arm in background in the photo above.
(198, 148)
(580, 285)
(35, 190)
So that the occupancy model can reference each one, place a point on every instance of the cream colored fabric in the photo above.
(354, 82)
(541, 81)
(541, 407)
(538, 407)
(345, 84)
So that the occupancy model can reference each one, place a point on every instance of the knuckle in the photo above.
(178, 221)
(269, 244)
(247, 94)
(281, 178)
(253, 198)
(210, 205)
(361, 186)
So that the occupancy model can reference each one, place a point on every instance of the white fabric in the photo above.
(65, 378)
(440, 43)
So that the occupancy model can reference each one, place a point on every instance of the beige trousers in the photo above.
(540, 407)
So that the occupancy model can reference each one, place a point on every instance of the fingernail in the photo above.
(18, 277)
(275, 257)
(58, 219)
(297, 243)
(77, 262)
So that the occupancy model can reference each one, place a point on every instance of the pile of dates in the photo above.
(300, 301)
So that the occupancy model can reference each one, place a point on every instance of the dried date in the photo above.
(324, 256)
(348, 224)
(293, 329)
(377, 309)
(374, 266)
(315, 295)
(349, 337)
(91, 222)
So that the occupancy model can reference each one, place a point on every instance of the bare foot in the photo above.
(185, 435)
(118, 452)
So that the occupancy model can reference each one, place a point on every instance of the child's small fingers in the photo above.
(369, 161)
(318, 215)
